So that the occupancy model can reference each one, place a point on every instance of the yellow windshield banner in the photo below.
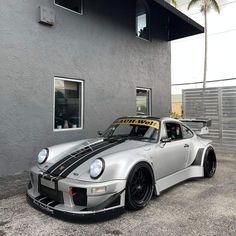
(137, 121)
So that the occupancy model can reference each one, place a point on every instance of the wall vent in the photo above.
(46, 16)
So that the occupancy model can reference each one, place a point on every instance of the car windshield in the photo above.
(134, 128)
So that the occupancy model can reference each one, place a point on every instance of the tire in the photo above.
(210, 163)
(139, 187)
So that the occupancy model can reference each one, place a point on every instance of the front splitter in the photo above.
(85, 217)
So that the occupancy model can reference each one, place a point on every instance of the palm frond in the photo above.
(214, 4)
(205, 5)
(193, 2)
(174, 2)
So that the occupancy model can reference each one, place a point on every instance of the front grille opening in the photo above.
(46, 201)
(114, 203)
(79, 196)
(51, 193)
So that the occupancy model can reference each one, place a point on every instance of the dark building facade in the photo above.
(69, 69)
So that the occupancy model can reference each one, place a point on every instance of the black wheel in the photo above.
(209, 163)
(139, 187)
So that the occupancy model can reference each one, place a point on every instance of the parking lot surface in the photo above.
(194, 207)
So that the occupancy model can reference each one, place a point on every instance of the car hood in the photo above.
(77, 156)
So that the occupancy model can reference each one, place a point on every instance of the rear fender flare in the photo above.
(205, 152)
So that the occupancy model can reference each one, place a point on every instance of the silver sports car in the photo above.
(134, 159)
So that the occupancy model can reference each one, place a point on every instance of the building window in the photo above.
(72, 5)
(143, 101)
(68, 104)
(142, 20)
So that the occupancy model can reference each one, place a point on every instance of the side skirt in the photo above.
(180, 176)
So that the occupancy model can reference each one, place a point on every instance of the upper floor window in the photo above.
(72, 5)
(142, 20)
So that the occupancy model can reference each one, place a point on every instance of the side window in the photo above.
(173, 131)
(187, 133)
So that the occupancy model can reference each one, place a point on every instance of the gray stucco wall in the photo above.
(99, 47)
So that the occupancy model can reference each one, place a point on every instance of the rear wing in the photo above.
(205, 123)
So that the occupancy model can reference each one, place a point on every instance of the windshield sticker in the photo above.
(135, 121)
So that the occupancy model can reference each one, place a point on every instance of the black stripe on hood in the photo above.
(71, 158)
(67, 171)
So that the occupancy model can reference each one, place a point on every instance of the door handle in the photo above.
(186, 145)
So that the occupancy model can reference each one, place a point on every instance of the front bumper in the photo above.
(59, 200)
(88, 216)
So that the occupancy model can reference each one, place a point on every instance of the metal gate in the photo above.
(218, 104)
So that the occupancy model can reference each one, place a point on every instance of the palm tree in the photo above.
(205, 7)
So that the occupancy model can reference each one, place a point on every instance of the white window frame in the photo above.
(148, 18)
(82, 103)
(150, 99)
(79, 13)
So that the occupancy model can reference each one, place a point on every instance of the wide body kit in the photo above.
(63, 185)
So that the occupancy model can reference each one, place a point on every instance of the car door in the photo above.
(188, 137)
(170, 157)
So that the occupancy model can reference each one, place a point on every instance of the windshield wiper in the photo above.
(141, 138)
(116, 138)
(126, 137)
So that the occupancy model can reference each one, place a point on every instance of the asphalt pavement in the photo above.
(194, 207)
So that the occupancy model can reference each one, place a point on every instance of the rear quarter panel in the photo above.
(197, 143)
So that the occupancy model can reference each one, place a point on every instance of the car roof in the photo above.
(170, 119)
(140, 117)
(150, 118)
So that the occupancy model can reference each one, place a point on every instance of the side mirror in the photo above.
(165, 140)
(99, 133)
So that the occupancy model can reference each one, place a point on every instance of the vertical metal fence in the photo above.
(218, 104)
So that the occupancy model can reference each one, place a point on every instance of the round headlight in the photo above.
(97, 168)
(43, 155)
